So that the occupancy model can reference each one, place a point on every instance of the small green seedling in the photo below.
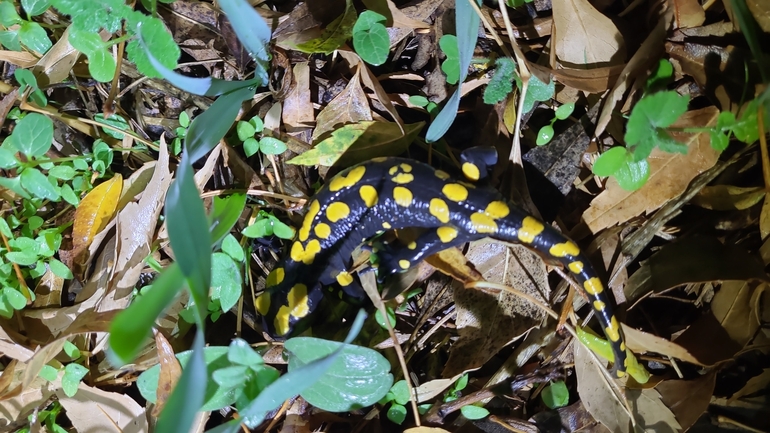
(555, 395)
(545, 135)
(450, 66)
(250, 134)
(267, 224)
(18, 31)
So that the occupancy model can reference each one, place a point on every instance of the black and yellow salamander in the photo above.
(395, 193)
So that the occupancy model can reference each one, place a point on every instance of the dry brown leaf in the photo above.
(95, 212)
(350, 106)
(402, 20)
(21, 59)
(755, 384)
(640, 342)
(764, 217)
(669, 176)
(688, 399)
(170, 372)
(56, 64)
(728, 197)
(732, 308)
(649, 411)
(94, 410)
(688, 13)
(371, 82)
(298, 107)
(136, 227)
(22, 403)
(594, 80)
(487, 322)
(584, 36)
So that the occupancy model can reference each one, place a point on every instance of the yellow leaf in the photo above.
(95, 211)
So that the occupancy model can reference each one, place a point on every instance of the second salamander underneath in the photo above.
(394, 193)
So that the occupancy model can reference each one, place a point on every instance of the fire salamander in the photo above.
(394, 193)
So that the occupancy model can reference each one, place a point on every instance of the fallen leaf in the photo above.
(670, 173)
(170, 372)
(94, 410)
(95, 211)
(693, 259)
(350, 106)
(688, 13)
(360, 142)
(688, 399)
(732, 308)
(298, 107)
(584, 36)
(650, 414)
(728, 197)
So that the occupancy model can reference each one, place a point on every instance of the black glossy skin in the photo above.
(468, 213)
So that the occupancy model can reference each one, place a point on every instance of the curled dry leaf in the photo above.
(170, 372)
(350, 106)
(95, 211)
(670, 173)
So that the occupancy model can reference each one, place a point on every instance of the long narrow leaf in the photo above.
(467, 23)
(187, 398)
(131, 327)
(252, 31)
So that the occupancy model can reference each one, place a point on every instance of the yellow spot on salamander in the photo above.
(281, 321)
(322, 230)
(368, 195)
(471, 171)
(297, 298)
(263, 303)
(576, 267)
(380, 159)
(312, 211)
(305, 255)
(482, 223)
(347, 180)
(403, 178)
(439, 209)
(613, 331)
(498, 209)
(297, 307)
(623, 347)
(599, 305)
(441, 174)
(455, 192)
(446, 234)
(402, 196)
(404, 264)
(529, 230)
(412, 245)
(275, 277)
(593, 286)
(564, 249)
(337, 211)
(393, 170)
(406, 168)
(386, 226)
(344, 278)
